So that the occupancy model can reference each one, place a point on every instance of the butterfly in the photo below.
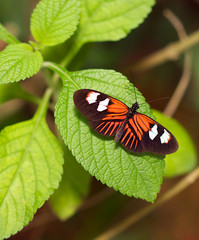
(135, 131)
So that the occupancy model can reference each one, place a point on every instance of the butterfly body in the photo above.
(135, 131)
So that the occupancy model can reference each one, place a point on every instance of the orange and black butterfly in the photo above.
(111, 117)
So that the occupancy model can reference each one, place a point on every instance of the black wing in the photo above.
(105, 114)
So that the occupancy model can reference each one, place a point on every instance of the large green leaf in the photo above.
(30, 169)
(18, 62)
(138, 175)
(7, 36)
(54, 21)
(185, 159)
(111, 20)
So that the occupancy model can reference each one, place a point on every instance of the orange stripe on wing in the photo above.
(117, 104)
(116, 125)
(110, 124)
(100, 125)
(132, 141)
(130, 136)
(135, 128)
(136, 143)
(117, 107)
(104, 127)
(139, 129)
(127, 132)
(114, 117)
(143, 122)
(146, 120)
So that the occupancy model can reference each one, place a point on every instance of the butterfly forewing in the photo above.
(105, 114)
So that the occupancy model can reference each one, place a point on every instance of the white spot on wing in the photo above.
(103, 105)
(92, 97)
(153, 132)
(165, 137)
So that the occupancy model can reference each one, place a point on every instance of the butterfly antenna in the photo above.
(131, 73)
(155, 100)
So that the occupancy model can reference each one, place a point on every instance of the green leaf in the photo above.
(111, 20)
(185, 159)
(14, 90)
(72, 189)
(138, 175)
(54, 21)
(30, 169)
(7, 36)
(8, 91)
(18, 62)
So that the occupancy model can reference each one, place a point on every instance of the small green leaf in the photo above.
(18, 62)
(54, 21)
(138, 175)
(7, 36)
(111, 20)
(185, 159)
(8, 91)
(30, 169)
(72, 189)
(14, 90)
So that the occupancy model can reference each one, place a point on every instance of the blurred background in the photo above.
(178, 219)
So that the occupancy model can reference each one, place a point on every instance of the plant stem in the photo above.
(186, 76)
(72, 52)
(77, 44)
(22, 94)
(44, 103)
(28, 96)
(61, 71)
(134, 218)
(171, 52)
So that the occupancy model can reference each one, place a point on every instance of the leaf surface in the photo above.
(30, 169)
(7, 36)
(54, 21)
(111, 20)
(138, 175)
(18, 62)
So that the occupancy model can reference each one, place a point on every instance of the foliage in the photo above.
(177, 163)
(31, 166)
(31, 158)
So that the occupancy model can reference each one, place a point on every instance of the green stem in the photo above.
(41, 111)
(77, 44)
(63, 73)
(72, 52)
(22, 94)
(28, 96)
